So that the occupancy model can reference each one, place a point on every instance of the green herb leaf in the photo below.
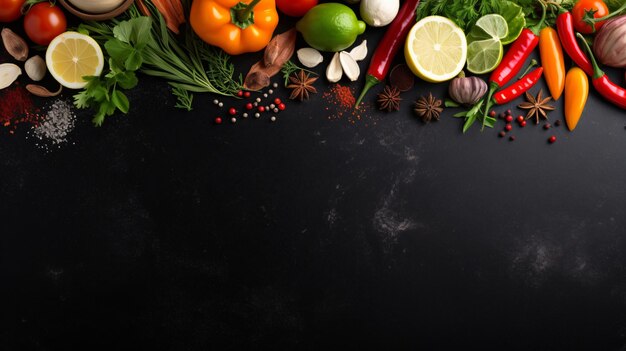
(121, 101)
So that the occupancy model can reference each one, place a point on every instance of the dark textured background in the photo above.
(162, 231)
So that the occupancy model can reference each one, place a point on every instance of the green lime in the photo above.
(489, 26)
(484, 56)
(330, 27)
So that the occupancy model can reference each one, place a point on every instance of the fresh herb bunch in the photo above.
(466, 12)
(188, 64)
(125, 50)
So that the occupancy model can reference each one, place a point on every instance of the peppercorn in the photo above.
(522, 124)
(520, 119)
(557, 123)
(249, 106)
(512, 138)
(218, 120)
(509, 119)
(233, 120)
(232, 111)
(492, 113)
(282, 106)
(508, 112)
(273, 119)
(508, 127)
(240, 93)
(552, 139)
(246, 94)
(277, 101)
(261, 109)
(546, 126)
(502, 134)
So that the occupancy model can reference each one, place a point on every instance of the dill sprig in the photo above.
(184, 98)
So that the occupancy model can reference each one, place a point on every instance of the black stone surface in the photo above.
(162, 231)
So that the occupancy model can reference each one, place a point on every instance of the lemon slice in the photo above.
(435, 49)
(71, 56)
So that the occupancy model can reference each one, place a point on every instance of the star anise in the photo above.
(389, 99)
(428, 108)
(302, 85)
(536, 106)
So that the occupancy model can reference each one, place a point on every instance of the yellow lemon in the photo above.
(436, 49)
(71, 56)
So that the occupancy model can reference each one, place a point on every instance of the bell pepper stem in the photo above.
(597, 72)
(370, 81)
(242, 15)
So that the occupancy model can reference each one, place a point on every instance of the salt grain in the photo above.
(57, 124)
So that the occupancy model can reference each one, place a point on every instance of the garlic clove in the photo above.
(35, 68)
(14, 44)
(349, 65)
(359, 52)
(310, 57)
(334, 71)
(8, 74)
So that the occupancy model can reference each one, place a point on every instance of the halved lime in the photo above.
(489, 26)
(484, 56)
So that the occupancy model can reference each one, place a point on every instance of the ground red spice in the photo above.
(340, 102)
(16, 107)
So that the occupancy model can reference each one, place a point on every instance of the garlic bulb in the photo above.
(379, 13)
(467, 90)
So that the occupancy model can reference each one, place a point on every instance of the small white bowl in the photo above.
(97, 6)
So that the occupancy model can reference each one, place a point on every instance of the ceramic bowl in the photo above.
(96, 10)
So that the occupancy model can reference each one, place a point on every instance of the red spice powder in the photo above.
(340, 102)
(16, 107)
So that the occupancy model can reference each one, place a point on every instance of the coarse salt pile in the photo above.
(57, 124)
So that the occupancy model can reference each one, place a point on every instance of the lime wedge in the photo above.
(490, 26)
(484, 56)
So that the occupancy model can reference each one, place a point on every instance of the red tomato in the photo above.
(579, 10)
(295, 8)
(10, 10)
(43, 22)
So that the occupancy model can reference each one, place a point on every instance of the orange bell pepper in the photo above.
(235, 26)
(576, 93)
(552, 61)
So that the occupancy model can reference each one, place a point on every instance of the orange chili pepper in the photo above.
(576, 92)
(232, 25)
(552, 61)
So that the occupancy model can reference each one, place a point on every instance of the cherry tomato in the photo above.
(579, 10)
(43, 22)
(10, 10)
(295, 8)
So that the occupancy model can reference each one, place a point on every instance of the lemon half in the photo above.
(436, 49)
(71, 56)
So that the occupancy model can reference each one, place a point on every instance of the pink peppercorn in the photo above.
(282, 106)
(509, 119)
(232, 111)
(552, 139)
(508, 127)
(218, 120)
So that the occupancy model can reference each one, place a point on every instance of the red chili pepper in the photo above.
(518, 88)
(515, 58)
(609, 90)
(388, 47)
(567, 34)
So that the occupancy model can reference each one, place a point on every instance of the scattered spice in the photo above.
(401, 77)
(537, 106)
(552, 139)
(389, 99)
(428, 108)
(57, 124)
(16, 107)
(340, 102)
(302, 85)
